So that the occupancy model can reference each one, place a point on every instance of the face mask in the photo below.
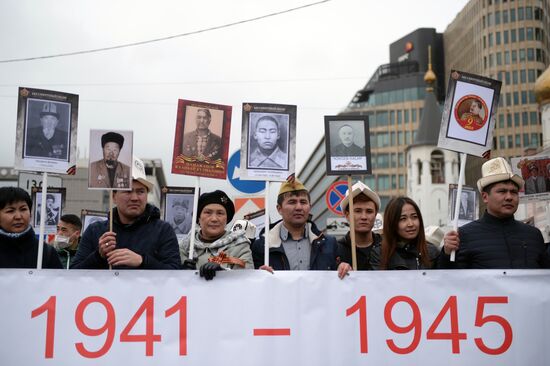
(61, 242)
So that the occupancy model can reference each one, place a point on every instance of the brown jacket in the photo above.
(99, 176)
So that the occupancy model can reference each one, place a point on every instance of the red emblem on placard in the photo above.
(471, 112)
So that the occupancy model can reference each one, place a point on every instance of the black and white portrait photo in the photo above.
(177, 209)
(468, 204)
(53, 210)
(268, 141)
(46, 131)
(202, 137)
(89, 217)
(110, 159)
(347, 145)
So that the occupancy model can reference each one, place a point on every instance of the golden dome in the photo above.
(542, 86)
(430, 77)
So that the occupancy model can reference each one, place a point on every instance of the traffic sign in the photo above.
(335, 194)
(233, 175)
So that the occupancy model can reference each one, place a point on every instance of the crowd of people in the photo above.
(138, 238)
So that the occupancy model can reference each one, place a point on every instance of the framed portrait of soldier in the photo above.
(176, 206)
(468, 118)
(347, 145)
(55, 202)
(535, 171)
(469, 204)
(110, 165)
(201, 141)
(46, 131)
(89, 217)
(268, 141)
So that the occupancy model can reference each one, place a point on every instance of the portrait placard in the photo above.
(469, 204)
(535, 170)
(201, 142)
(469, 112)
(176, 206)
(55, 203)
(88, 217)
(268, 141)
(347, 145)
(46, 131)
(110, 165)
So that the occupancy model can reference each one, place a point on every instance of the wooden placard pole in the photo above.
(110, 216)
(194, 222)
(266, 229)
(352, 227)
(458, 194)
(42, 220)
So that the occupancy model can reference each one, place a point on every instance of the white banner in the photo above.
(54, 317)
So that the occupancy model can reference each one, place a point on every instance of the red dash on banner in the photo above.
(271, 332)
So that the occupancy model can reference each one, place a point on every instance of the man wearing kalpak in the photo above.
(496, 240)
(293, 242)
(140, 239)
(366, 204)
(109, 172)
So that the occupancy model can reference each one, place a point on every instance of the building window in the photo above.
(505, 37)
(522, 76)
(521, 34)
(400, 140)
(406, 115)
(419, 167)
(522, 54)
(401, 181)
(499, 58)
(490, 39)
(532, 98)
(508, 100)
(538, 13)
(518, 140)
(497, 17)
(535, 139)
(507, 57)
(512, 15)
(526, 139)
(516, 119)
(497, 38)
(507, 77)
(524, 97)
(489, 19)
(533, 118)
(529, 13)
(505, 16)
(524, 118)
(529, 33)
(399, 117)
(501, 142)
(383, 182)
(513, 35)
(413, 115)
(514, 77)
(510, 141)
(394, 182)
(509, 120)
(531, 75)
(521, 14)
(437, 167)
(516, 98)
(501, 120)
(530, 54)
(401, 159)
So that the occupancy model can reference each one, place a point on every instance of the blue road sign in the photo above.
(335, 195)
(244, 186)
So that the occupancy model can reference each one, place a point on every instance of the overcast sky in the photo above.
(315, 58)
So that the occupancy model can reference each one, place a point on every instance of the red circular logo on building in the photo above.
(471, 112)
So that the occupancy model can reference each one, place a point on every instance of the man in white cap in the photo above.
(47, 141)
(140, 239)
(496, 240)
(366, 205)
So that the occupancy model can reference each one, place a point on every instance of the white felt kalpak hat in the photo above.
(356, 189)
(497, 170)
(434, 235)
(138, 173)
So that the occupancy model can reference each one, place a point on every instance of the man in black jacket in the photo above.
(497, 240)
(139, 238)
(366, 204)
